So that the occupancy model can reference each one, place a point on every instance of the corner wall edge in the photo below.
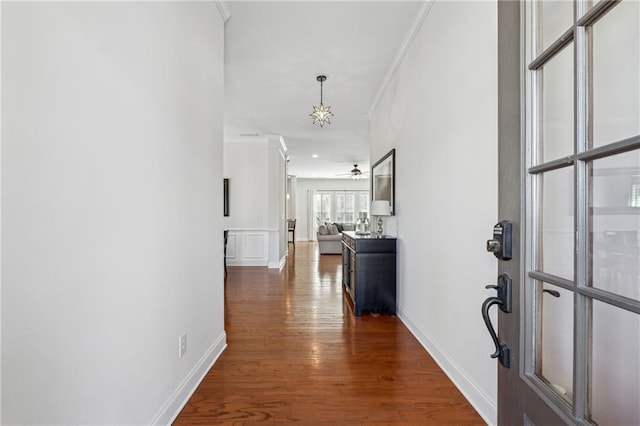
(225, 11)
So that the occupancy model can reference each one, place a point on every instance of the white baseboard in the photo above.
(172, 407)
(247, 262)
(278, 265)
(472, 392)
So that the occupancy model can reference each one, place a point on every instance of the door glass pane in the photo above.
(556, 17)
(556, 251)
(615, 383)
(615, 254)
(616, 74)
(555, 364)
(557, 106)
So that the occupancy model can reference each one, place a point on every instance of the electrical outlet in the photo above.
(182, 344)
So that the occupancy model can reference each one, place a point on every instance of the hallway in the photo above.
(296, 353)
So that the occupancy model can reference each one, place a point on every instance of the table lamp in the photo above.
(380, 208)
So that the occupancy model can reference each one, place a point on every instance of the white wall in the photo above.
(111, 208)
(246, 167)
(256, 169)
(305, 185)
(440, 114)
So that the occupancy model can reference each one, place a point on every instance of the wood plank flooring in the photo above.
(296, 353)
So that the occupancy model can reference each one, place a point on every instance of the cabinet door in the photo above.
(345, 265)
(352, 276)
(376, 282)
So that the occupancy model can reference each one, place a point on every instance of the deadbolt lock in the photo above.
(500, 244)
(493, 246)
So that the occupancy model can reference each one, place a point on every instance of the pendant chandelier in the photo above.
(321, 113)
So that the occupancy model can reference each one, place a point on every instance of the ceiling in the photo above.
(274, 51)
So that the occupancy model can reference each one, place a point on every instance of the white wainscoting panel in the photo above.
(254, 246)
(248, 247)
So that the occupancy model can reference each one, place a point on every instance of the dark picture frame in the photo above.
(226, 197)
(383, 180)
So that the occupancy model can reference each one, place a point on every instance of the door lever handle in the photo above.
(503, 289)
(502, 350)
(487, 321)
(554, 293)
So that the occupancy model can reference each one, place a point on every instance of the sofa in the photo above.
(329, 237)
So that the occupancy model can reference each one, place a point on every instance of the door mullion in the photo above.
(581, 303)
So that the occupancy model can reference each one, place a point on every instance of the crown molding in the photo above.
(404, 48)
(225, 11)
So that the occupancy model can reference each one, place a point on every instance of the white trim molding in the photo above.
(176, 402)
(471, 391)
(1, 216)
(404, 48)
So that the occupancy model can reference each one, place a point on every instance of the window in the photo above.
(364, 202)
(322, 207)
(340, 206)
(345, 208)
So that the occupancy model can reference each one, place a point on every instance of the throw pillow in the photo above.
(333, 229)
(322, 230)
(340, 228)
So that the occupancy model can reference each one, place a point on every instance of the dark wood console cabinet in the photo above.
(369, 272)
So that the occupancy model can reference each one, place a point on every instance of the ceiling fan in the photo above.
(355, 173)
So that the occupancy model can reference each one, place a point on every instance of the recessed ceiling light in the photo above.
(314, 156)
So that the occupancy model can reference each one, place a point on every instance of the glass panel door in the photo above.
(582, 242)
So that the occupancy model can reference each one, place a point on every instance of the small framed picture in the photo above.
(226, 197)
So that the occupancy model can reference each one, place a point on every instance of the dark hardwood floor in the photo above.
(296, 353)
